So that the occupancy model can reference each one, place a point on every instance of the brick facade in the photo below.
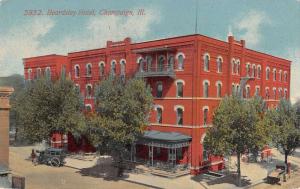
(206, 68)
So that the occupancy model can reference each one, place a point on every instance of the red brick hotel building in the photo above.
(189, 75)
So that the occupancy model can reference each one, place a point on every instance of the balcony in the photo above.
(157, 71)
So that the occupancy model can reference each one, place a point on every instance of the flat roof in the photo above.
(166, 136)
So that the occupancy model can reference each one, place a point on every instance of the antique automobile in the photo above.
(51, 156)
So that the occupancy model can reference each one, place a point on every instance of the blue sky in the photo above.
(271, 26)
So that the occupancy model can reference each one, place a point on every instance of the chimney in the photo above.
(5, 92)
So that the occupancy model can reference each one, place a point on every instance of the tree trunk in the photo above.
(239, 167)
(285, 157)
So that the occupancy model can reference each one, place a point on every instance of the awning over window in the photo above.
(165, 139)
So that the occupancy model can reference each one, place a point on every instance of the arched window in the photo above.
(267, 73)
(29, 74)
(38, 72)
(259, 72)
(285, 93)
(285, 76)
(113, 68)
(257, 91)
(205, 89)
(161, 63)
(206, 62)
(77, 71)
(101, 69)
(248, 69)
(159, 89)
(238, 64)
(48, 73)
(171, 62)
(274, 74)
(219, 89)
(253, 70)
(88, 90)
(141, 64)
(219, 64)
(180, 58)
(274, 93)
(123, 68)
(232, 66)
(179, 116)
(77, 89)
(280, 93)
(89, 70)
(159, 115)
(205, 116)
(179, 90)
(280, 75)
(149, 63)
(267, 93)
(247, 91)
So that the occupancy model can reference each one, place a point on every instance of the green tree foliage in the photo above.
(286, 134)
(122, 111)
(237, 127)
(44, 107)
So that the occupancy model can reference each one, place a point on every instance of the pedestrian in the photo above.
(33, 156)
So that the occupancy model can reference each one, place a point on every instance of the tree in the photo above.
(237, 126)
(45, 106)
(122, 111)
(286, 135)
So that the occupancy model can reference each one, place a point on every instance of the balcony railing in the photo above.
(157, 71)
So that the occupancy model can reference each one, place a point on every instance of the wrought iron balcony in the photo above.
(157, 71)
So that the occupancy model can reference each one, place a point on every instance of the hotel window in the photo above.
(219, 65)
(101, 69)
(238, 64)
(205, 89)
(205, 116)
(171, 62)
(258, 72)
(123, 68)
(280, 75)
(88, 91)
(113, 68)
(237, 90)
(285, 93)
(77, 71)
(149, 63)
(257, 91)
(29, 72)
(274, 74)
(206, 62)
(232, 66)
(179, 116)
(159, 89)
(280, 93)
(38, 72)
(180, 62)
(267, 73)
(219, 89)
(253, 71)
(233, 92)
(248, 92)
(159, 115)
(267, 93)
(48, 73)
(89, 70)
(179, 89)
(285, 77)
(141, 64)
(88, 107)
(274, 93)
(248, 69)
(161, 63)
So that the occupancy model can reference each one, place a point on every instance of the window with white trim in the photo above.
(48, 72)
(205, 116)
(267, 93)
(206, 62)
(267, 73)
(88, 91)
(159, 115)
(89, 70)
(179, 90)
(248, 70)
(123, 68)
(219, 90)
(253, 70)
(171, 62)
(258, 72)
(274, 74)
(205, 89)
(141, 64)
(149, 63)
(159, 89)
(238, 64)
(274, 93)
(180, 62)
(29, 74)
(113, 68)
(285, 76)
(280, 75)
(101, 69)
(179, 116)
(219, 64)
(161, 63)
(77, 71)
(247, 91)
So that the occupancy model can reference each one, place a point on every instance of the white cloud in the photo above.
(25, 40)
(249, 27)
(294, 56)
(21, 41)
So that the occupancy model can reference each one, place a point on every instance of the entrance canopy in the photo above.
(165, 139)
